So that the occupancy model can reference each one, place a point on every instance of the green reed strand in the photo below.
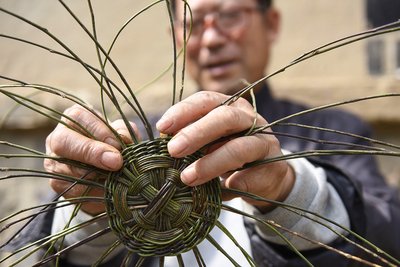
(393, 27)
(322, 107)
(221, 249)
(365, 249)
(314, 140)
(140, 262)
(121, 76)
(51, 247)
(323, 141)
(61, 160)
(74, 59)
(107, 252)
(51, 50)
(360, 137)
(185, 39)
(16, 98)
(274, 225)
(272, 228)
(43, 174)
(19, 147)
(64, 95)
(180, 261)
(174, 49)
(304, 212)
(320, 244)
(48, 33)
(47, 207)
(8, 114)
(40, 155)
(71, 247)
(232, 238)
(64, 203)
(103, 71)
(199, 257)
(86, 65)
(388, 28)
(9, 78)
(67, 225)
(48, 239)
(183, 50)
(115, 40)
(340, 252)
(319, 153)
(127, 260)
(103, 74)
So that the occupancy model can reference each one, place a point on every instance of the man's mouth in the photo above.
(220, 68)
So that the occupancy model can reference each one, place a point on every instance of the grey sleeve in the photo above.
(311, 192)
(87, 253)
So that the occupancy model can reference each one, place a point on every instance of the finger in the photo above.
(120, 127)
(231, 156)
(53, 166)
(79, 190)
(69, 144)
(220, 122)
(193, 108)
(82, 118)
(188, 110)
(259, 180)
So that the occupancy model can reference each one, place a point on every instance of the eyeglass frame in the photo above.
(195, 34)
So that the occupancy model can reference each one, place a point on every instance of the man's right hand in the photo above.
(103, 153)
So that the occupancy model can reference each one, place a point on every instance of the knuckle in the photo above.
(120, 127)
(204, 95)
(96, 128)
(193, 133)
(48, 143)
(49, 165)
(273, 146)
(77, 172)
(56, 141)
(230, 118)
(244, 103)
(90, 152)
(237, 152)
(56, 185)
(209, 98)
(73, 112)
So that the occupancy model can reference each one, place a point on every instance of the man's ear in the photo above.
(273, 23)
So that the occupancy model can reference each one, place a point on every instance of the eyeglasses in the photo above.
(226, 21)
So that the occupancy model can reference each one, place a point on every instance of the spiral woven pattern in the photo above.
(150, 210)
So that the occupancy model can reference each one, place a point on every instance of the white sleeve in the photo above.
(311, 192)
(87, 253)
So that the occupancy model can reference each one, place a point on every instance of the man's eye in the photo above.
(229, 16)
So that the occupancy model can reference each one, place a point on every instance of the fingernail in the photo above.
(164, 124)
(188, 175)
(177, 145)
(111, 160)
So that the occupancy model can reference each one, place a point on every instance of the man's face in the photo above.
(230, 42)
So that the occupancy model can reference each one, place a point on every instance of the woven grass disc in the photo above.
(150, 210)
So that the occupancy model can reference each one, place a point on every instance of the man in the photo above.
(231, 41)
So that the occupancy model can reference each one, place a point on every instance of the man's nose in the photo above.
(212, 34)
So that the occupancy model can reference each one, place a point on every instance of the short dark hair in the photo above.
(263, 4)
